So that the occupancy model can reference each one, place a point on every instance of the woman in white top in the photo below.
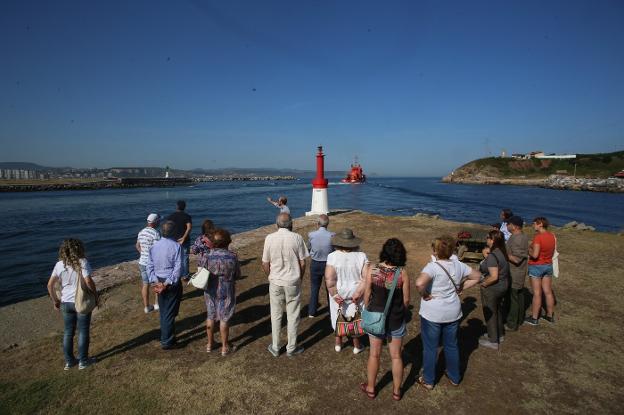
(72, 258)
(344, 278)
(440, 284)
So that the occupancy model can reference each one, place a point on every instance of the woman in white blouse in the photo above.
(344, 278)
(72, 265)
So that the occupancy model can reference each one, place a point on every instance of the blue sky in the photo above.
(413, 88)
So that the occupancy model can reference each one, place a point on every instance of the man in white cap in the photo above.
(145, 240)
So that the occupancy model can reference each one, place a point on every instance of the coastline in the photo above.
(123, 183)
(558, 358)
(557, 182)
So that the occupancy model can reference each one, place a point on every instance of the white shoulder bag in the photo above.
(200, 279)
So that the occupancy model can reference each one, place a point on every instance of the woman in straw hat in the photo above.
(344, 278)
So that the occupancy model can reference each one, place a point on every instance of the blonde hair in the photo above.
(443, 246)
(71, 252)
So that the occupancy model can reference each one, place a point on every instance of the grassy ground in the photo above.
(574, 366)
(587, 165)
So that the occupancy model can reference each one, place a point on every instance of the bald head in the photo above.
(323, 221)
(284, 221)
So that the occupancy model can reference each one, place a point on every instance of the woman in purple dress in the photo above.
(220, 293)
(203, 243)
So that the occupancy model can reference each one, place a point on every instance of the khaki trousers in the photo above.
(291, 296)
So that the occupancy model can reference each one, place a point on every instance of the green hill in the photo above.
(601, 165)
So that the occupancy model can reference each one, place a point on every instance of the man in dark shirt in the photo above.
(182, 233)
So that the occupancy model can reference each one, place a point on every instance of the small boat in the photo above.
(355, 175)
(620, 174)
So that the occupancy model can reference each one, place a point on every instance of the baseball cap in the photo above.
(153, 218)
(515, 220)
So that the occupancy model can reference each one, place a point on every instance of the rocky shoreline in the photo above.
(610, 185)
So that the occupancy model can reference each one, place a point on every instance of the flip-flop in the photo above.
(421, 382)
(397, 396)
(228, 350)
(208, 348)
(364, 389)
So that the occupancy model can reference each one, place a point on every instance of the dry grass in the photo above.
(574, 366)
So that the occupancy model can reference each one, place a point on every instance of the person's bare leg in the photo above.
(397, 364)
(339, 341)
(373, 361)
(145, 294)
(210, 333)
(224, 330)
(536, 284)
(548, 293)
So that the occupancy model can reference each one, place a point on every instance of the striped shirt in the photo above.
(146, 239)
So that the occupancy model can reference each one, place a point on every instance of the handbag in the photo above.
(555, 261)
(85, 300)
(200, 279)
(349, 326)
(374, 322)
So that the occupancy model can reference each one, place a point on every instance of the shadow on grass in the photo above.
(259, 290)
(183, 326)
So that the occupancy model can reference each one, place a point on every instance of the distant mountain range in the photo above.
(238, 171)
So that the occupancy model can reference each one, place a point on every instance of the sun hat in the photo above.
(153, 218)
(515, 220)
(346, 239)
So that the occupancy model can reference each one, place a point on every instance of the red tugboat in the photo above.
(355, 175)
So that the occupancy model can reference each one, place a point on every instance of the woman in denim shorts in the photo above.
(541, 251)
(378, 284)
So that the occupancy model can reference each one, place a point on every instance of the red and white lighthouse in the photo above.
(319, 187)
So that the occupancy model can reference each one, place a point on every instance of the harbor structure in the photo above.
(320, 204)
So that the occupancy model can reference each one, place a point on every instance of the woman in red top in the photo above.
(541, 251)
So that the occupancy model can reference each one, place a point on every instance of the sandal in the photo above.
(397, 395)
(421, 382)
(208, 348)
(364, 389)
(228, 350)
(449, 379)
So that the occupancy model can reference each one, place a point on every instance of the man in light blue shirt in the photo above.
(164, 268)
(320, 247)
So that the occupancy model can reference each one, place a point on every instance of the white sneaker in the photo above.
(357, 351)
(337, 348)
(148, 309)
(156, 307)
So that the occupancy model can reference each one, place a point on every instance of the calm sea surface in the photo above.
(109, 220)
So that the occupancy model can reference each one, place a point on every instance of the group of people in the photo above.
(353, 283)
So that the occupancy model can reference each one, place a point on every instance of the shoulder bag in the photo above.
(457, 290)
(374, 322)
(555, 260)
(200, 278)
(85, 300)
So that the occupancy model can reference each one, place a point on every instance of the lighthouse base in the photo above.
(319, 203)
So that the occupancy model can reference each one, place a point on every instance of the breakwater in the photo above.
(558, 182)
(127, 183)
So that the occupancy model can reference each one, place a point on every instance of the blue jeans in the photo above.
(71, 319)
(169, 302)
(186, 247)
(317, 274)
(430, 333)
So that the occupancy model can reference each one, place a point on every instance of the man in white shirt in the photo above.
(145, 240)
(283, 261)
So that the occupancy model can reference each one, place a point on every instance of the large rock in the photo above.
(579, 226)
